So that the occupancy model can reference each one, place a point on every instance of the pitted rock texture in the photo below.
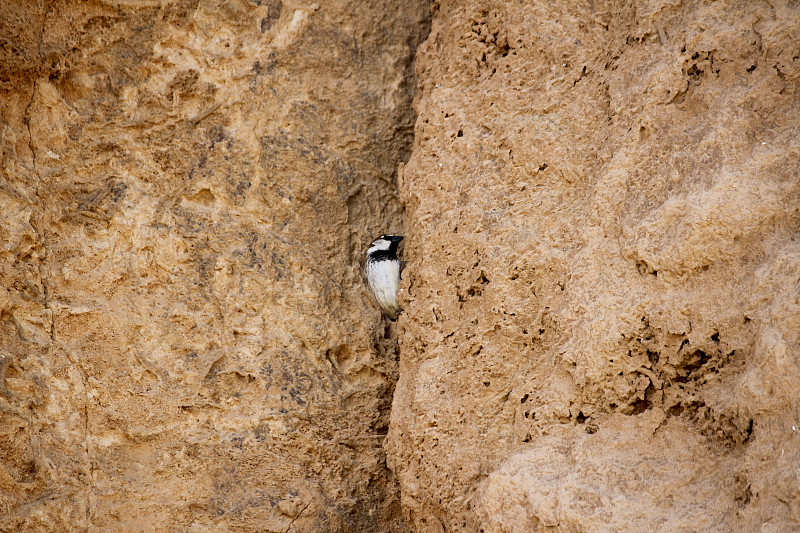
(602, 297)
(188, 188)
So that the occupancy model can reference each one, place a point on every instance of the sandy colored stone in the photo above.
(602, 297)
(619, 480)
(187, 191)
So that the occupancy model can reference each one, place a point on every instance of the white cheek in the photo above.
(379, 245)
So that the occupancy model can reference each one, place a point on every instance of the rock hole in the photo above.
(697, 360)
(204, 197)
(638, 407)
(524, 399)
(675, 410)
(460, 133)
(694, 72)
(476, 289)
(343, 355)
(715, 337)
(581, 418)
(743, 498)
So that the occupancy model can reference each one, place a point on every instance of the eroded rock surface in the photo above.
(187, 191)
(602, 325)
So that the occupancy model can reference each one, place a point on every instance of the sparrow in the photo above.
(383, 273)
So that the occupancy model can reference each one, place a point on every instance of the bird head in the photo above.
(386, 242)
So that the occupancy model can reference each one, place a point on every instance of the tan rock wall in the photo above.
(602, 325)
(187, 191)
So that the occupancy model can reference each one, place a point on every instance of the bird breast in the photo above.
(384, 278)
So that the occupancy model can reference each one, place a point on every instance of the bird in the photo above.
(383, 273)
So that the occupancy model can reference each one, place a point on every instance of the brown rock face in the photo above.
(602, 306)
(188, 188)
(602, 210)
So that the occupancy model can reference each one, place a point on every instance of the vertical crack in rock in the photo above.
(26, 119)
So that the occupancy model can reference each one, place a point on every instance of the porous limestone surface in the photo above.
(602, 298)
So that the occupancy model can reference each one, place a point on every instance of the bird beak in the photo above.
(397, 238)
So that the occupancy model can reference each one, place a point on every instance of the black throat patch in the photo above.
(384, 255)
